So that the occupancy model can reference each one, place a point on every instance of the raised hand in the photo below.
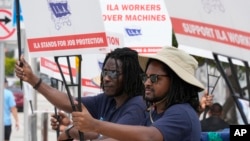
(24, 72)
(206, 100)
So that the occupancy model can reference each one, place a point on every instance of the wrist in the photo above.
(67, 131)
(37, 84)
(99, 136)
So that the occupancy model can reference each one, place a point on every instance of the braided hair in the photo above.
(132, 83)
(180, 91)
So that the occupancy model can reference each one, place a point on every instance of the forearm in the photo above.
(14, 113)
(87, 135)
(105, 139)
(90, 136)
(127, 132)
(54, 96)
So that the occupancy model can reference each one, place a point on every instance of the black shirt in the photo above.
(213, 123)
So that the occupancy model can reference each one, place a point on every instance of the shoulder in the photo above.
(94, 99)
(8, 92)
(98, 96)
(180, 107)
(181, 111)
(136, 101)
(136, 98)
(103, 98)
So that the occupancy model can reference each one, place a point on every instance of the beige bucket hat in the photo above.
(183, 64)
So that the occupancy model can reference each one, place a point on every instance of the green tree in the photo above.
(9, 66)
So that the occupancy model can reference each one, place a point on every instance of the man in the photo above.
(9, 107)
(214, 122)
(171, 93)
(121, 101)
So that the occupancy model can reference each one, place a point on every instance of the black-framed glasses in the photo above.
(113, 74)
(153, 77)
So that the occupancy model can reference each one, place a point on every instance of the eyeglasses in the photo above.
(153, 77)
(113, 74)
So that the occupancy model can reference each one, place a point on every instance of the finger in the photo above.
(22, 63)
(20, 74)
(76, 105)
(83, 107)
(205, 92)
(210, 98)
(62, 114)
(75, 123)
(17, 68)
(52, 119)
(75, 102)
(54, 127)
(17, 64)
(23, 60)
(52, 124)
(52, 114)
(74, 114)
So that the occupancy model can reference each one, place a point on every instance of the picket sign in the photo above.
(92, 29)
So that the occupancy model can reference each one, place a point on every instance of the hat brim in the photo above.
(183, 74)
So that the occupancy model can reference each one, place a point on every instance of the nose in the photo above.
(148, 81)
(106, 78)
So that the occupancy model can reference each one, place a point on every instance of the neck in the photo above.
(159, 106)
(120, 100)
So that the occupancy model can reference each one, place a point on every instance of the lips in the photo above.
(107, 87)
(148, 91)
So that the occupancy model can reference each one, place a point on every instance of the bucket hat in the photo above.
(183, 64)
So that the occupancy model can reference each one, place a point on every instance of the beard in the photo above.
(116, 94)
(155, 99)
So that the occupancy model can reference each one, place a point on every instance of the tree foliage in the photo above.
(9, 66)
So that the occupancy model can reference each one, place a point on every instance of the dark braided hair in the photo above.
(179, 91)
(131, 70)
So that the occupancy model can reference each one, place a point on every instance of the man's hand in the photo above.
(206, 101)
(23, 71)
(62, 123)
(83, 121)
(62, 137)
